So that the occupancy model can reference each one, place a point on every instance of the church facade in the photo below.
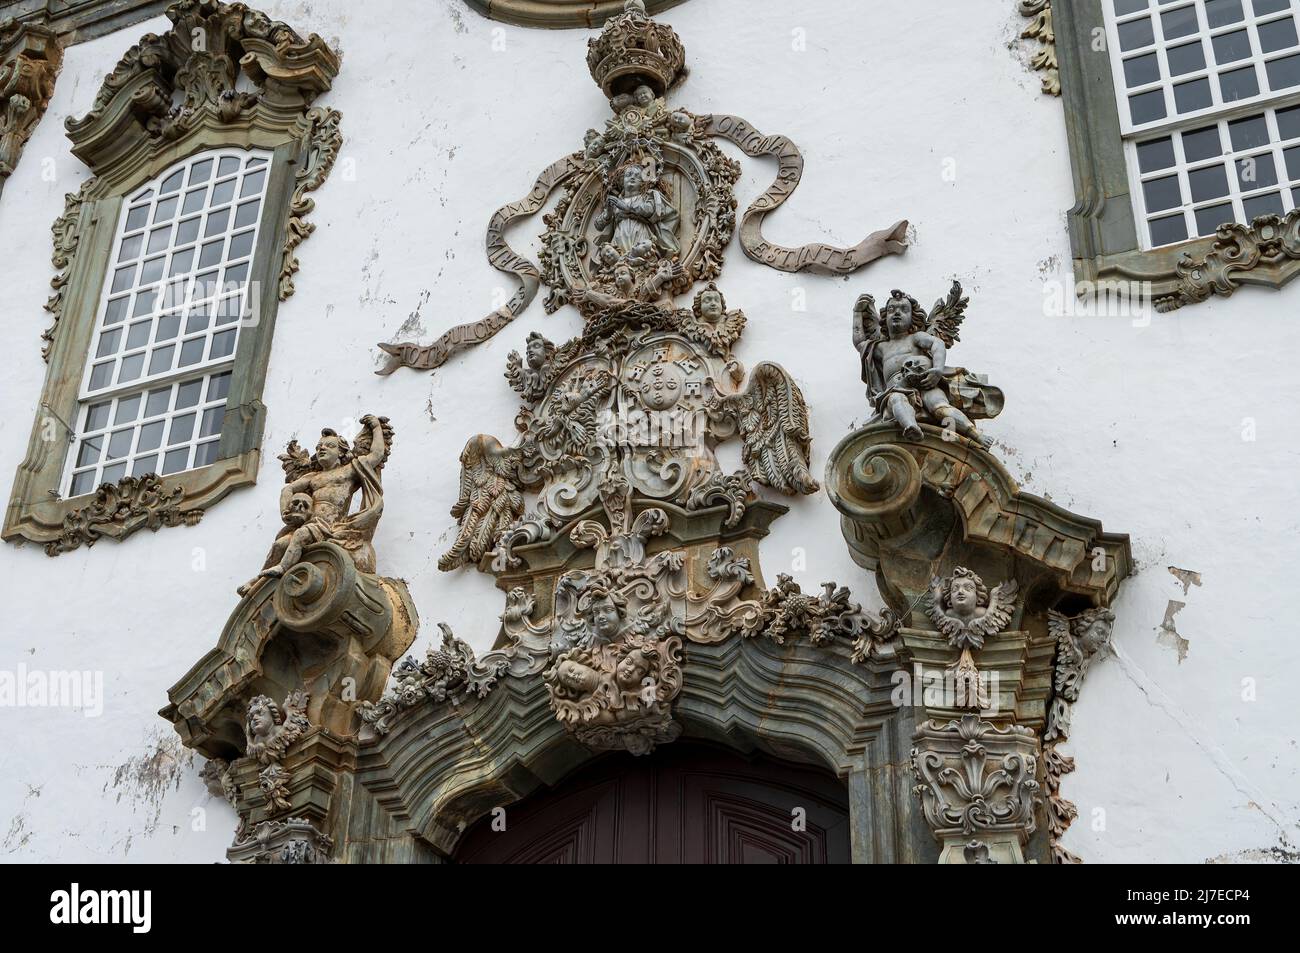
(649, 432)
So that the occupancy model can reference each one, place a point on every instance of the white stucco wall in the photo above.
(446, 116)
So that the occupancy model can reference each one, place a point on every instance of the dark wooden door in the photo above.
(686, 803)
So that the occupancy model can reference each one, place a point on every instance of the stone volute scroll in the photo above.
(30, 59)
(317, 627)
(610, 522)
(648, 204)
(1003, 598)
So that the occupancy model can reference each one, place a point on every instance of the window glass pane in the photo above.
(1268, 204)
(223, 192)
(188, 394)
(1293, 162)
(131, 368)
(164, 210)
(1189, 97)
(206, 453)
(115, 311)
(108, 342)
(1187, 58)
(1129, 6)
(228, 165)
(1162, 193)
(1238, 84)
(1264, 7)
(128, 408)
(172, 182)
(1180, 22)
(88, 452)
(1136, 34)
(157, 402)
(1256, 172)
(1283, 73)
(1278, 35)
(160, 359)
(1223, 12)
(144, 465)
(175, 460)
(119, 445)
(130, 248)
(1248, 133)
(200, 171)
(1209, 219)
(137, 217)
(138, 334)
(1208, 183)
(1168, 230)
(1231, 47)
(112, 474)
(1156, 154)
(97, 417)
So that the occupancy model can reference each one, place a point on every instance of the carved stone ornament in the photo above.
(1265, 252)
(1040, 28)
(119, 509)
(1079, 640)
(293, 840)
(648, 204)
(925, 506)
(30, 59)
(976, 778)
(316, 627)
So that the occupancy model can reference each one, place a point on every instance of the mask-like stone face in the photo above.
(898, 318)
(623, 280)
(963, 597)
(711, 305)
(605, 619)
(575, 677)
(260, 721)
(328, 453)
(536, 353)
(631, 671)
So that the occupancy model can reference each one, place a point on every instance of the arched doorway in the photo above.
(687, 803)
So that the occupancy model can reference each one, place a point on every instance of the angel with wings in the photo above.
(318, 493)
(964, 610)
(531, 374)
(490, 500)
(904, 365)
(773, 422)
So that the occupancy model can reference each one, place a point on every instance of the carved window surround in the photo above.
(1103, 230)
(130, 136)
(559, 14)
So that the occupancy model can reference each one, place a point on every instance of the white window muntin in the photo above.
(1253, 170)
(1234, 36)
(170, 310)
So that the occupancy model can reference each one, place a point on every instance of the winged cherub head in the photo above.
(709, 304)
(603, 609)
(964, 593)
(263, 719)
(538, 350)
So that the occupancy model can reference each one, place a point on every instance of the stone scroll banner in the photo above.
(503, 258)
(817, 258)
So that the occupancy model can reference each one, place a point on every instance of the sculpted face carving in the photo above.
(577, 677)
(604, 617)
(711, 305)
(262, 718)
(964, 610)
(330, 451)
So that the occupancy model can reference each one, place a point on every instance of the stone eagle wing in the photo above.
(489, 502)
(773, 422)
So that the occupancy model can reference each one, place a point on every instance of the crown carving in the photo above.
(633, 50)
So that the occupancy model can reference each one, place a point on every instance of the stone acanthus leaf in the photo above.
(119, 509)
(1040, 29)
(323, 141)
(1268, 247)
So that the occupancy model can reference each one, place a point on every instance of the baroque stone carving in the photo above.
(966, 611)
(270, 729)
(1263, 252)
(974, 777)
(120, 509)
(648, 205)
(30, 59)
(293, 840)
(1079, 640)
(317, 498)
(904, 366)
(450, 673)
(1040, 28)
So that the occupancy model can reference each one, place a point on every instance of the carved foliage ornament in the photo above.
(1079, 640)
(269, 730)
(1265, 252)
(1040, 28)
(648, 204)
(119, 509)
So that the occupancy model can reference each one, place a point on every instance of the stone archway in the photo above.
(689, 802)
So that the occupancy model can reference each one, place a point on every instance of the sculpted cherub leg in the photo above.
(936, 402)
(905, 414)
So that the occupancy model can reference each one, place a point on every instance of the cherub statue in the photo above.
(1078, 641)
(963, 609)
(635, 211)
(905, 370)
(270, 730)
(490, 499)
(531, 375)
(318, 493)
(711, 323)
